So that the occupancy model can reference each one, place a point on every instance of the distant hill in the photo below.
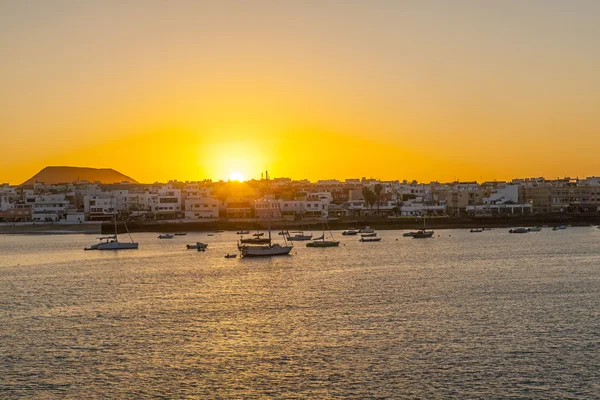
(55, 175)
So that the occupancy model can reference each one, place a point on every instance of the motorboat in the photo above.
(112, 242)
(518, 230)
(366, 229)
(242, 232)
(258, 234)
(197, 246)
(476, 230)
(558, 228)
(535, 229)
(166, 236)
(230, 255)
(350, 232)
(369, 239)
(422, 234)
(372, 234)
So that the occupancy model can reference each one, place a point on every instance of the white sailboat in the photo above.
(112, 242)
(266, 250)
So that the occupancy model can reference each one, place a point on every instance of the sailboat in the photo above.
(266, 250)
(299, 236)
(321, 242)
(423, 233)
(112, 242)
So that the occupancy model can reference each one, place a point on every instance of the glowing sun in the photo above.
(236, 176)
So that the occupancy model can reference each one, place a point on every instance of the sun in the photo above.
(236, 176)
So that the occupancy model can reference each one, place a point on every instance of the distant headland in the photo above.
(54, 175)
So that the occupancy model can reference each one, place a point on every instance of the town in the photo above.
(297, 200)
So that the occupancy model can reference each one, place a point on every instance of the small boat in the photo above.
(166, 236)
(535, 229)
(408, 234)
(180, 233)
(242, 232)
(112, 242)
(321, 242)
(518, 230)
(369, 239)
(558, 228)
(257, 234)
(476, 230)
(197, 246)
(299, 237)
(350, 232)
(210, 234)
(230, 255)
(366, 229)
(283, 233)
(372, 234)
(422, 234)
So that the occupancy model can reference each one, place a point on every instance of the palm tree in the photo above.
(398, 202)
(369, 196)
(378, 188)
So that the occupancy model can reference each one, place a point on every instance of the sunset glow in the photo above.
(236, 176)
(418, 90)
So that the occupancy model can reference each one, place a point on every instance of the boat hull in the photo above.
(298, 238)
(113, 246)
(323, 244)
(376, 239)
(265, 251)
(422, 234)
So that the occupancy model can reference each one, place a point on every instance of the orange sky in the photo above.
(430, 90)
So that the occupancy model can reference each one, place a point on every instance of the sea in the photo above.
(462, 315)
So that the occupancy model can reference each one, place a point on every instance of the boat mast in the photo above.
(115, 217)
(269, 202)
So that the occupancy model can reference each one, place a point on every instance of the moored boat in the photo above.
(518, 230)
(321, 242)
(166, 236)
(350, 232)
(112, 242)
(197, 246)
(372, 234)
(422, 234)
(369, 239)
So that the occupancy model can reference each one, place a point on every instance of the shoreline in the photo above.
(401, 223)
(404, 223)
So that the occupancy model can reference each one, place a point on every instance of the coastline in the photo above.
(56, 228)
(403, 223)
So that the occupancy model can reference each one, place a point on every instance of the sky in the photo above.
(392, 89)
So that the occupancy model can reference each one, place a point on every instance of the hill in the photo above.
(56, 175)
